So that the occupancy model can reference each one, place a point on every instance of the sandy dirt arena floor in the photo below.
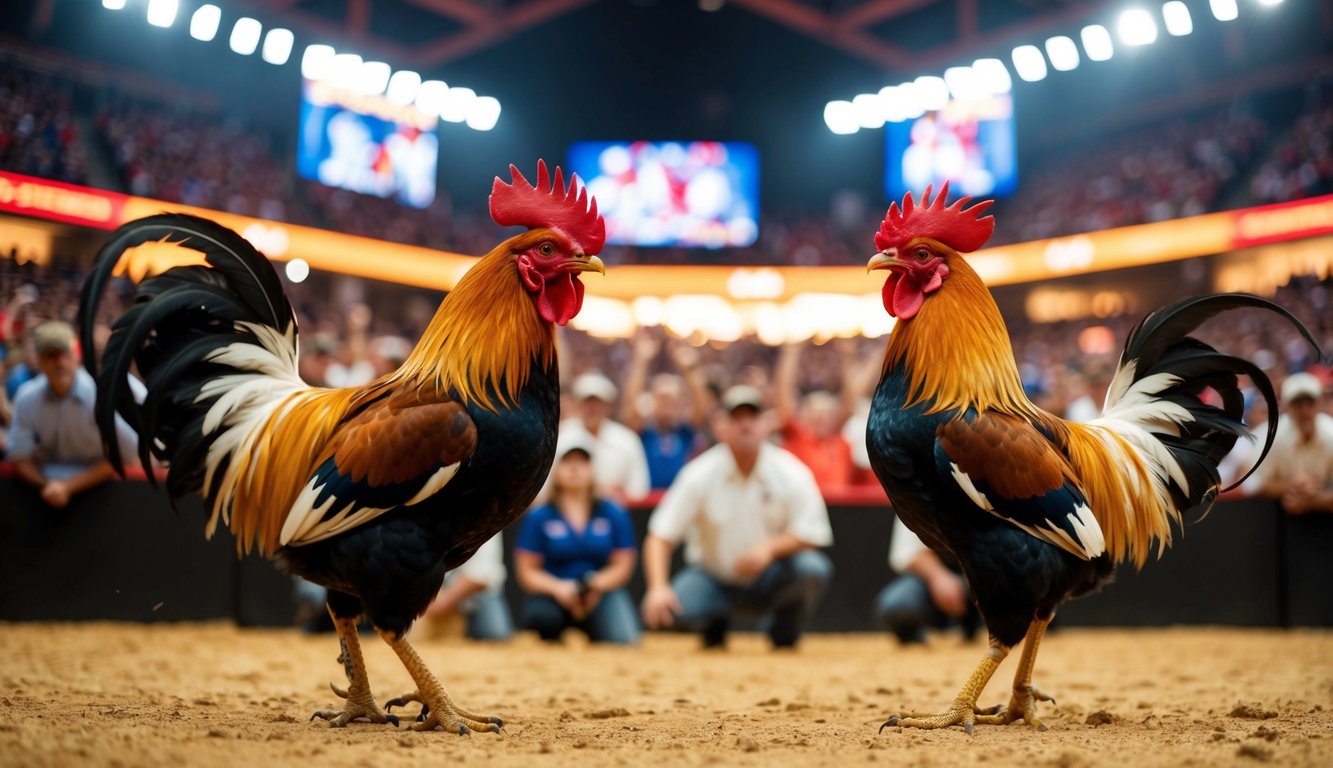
(212, 694)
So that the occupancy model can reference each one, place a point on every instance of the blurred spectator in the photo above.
(926, 593)
(813, 431)
(752, 518)
(37, 132)
(619, 466)
(669, 435)
(473, 594)
(54, 443)
(575, 555)
(353, 366)
(1298, 471)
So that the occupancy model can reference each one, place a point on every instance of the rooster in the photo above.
(375, 491)
(1038, 510)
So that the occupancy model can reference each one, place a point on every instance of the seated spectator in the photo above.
(575, 555)
(619, 467)
(1298, 470)
(54, 442)
(670, 436)
(473, 592)
(926, 593)
(753, 519)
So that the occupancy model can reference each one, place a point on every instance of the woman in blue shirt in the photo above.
(575, 555)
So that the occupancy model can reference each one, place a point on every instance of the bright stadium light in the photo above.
(245, 35)
(1097, 42)
(994, 75)
(277, 46)
(1029, 63)
(317, 62)
(430, 97)
(372, 78)
(965, 83)
(1270, 2)
(1062, 52)
(457, 104)
(113, 5)
(909, 97)
(484, 113)
(345, 68)
(403, 86)
(297, 270)
(869, 110)
(204, 23)
(933, 92)
(1136, 27)
(1224, 10)
(162, 13)
(840, 117)
(892, 104)
(1177, 17)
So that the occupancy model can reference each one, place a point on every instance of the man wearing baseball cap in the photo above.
(54, 442)
(752, 519)
(619, 467)
(1299, 468)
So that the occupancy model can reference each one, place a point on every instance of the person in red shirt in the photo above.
(811, 426)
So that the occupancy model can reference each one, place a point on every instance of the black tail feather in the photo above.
(1160, 344)
(177, 319)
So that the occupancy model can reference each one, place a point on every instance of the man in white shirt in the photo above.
(619, 465)
(925, 593)
(751, 517)
(1298, 470)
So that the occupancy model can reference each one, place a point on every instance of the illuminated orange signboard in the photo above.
(57, 201)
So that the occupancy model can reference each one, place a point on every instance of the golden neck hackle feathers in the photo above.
(486, 334)
(956, 349)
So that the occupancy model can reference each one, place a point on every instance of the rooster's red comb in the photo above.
(549, 206)
(955, 226)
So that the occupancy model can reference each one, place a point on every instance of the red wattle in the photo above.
(902, 297)
(560, 298)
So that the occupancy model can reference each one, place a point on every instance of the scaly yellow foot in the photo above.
(437, 709)
(1022, 706)
(360, 704)
(964, 709)
(1023, 702)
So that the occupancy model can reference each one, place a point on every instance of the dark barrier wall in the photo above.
(121, 553)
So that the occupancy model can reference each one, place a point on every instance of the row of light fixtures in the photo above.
(454, 104)
(989, 76)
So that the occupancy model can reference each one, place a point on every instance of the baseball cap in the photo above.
(594, 384)
(573, 440)
(742, 395)
(1300, 385)
(53, 335)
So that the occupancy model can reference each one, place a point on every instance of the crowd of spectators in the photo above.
(38, 135)
(1168, 171)
(197, 159)
(1302, 163)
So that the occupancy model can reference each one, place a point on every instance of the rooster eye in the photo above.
(547, 249)
(922, 254)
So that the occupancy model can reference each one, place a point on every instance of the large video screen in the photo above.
(969, 143)
(697, 194)
(367, 144)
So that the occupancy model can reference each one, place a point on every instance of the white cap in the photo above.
(1301, 385)
(742, 394)
(594, 384)
(573, 440)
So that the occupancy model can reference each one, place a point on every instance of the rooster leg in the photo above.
(1023, 703)
(437, 708)
(964, 710)
(360, 703)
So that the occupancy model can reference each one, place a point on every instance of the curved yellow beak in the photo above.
(886, 259)
(590, 264)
